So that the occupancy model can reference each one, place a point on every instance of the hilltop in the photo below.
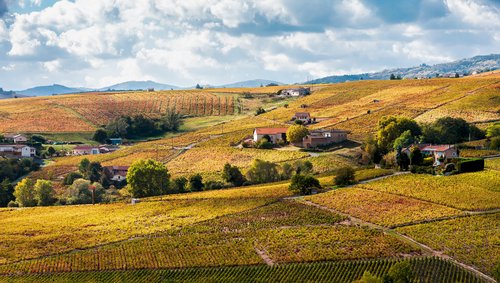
(464, 66)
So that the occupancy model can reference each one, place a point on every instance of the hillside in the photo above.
(464, 66)
(139, 85)
(49, 90)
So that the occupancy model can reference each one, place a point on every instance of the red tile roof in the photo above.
(85, 147)
(270, 131)
(430, 147)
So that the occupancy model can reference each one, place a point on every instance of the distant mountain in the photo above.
(49, 90)
(139, 85)
(4, 94)
(465, 66)
(250, 83)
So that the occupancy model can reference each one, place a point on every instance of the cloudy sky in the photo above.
(95, 43)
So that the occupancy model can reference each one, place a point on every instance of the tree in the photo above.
(401, 272)
(264, 143)
(196, 183)
(117, 128)
(296, 133)
(404, 140)
(303, 167)
(370, 146)
(24, 193)
(100, 136)
(392, 77)
(232, 174)
(402, 160)
(416, 156)
(71, 177)
(493, 130)
(495, 143)
(262, 172)
(6, 193)
(448, 130)
(198, 86)
(94, 171)
(345, 176)
(171, 121)
(179, 184)
(147, 178)
(44, 192)
(287, 171)
(303, 184)
(457, 75)
(81, 192)
(391, 127)
(51, 151)
(83, 167)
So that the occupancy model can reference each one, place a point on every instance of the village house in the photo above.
(274, 134)
(301, 91)
(116, 173)
(17, 150)
(324, 137)
(86, 150)
(304, 117)
(16, 138)
(442, 151)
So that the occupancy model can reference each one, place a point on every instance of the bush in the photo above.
(401, 272)
(422, 169)
(264, 144)
(428, 161)
(259, 111)
(12, 204)
(470, 165)
(345, 176)
(196, 183)
(232, 174)
(179, 184)
(71, 177)
(214, 185)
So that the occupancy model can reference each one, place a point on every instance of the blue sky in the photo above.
(95, 43)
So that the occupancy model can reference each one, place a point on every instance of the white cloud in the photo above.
(476, 13)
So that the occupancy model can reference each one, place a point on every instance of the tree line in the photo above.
(139, 126)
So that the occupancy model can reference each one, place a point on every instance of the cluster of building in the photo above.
(294, 92)
(16, 147)
(93, 149)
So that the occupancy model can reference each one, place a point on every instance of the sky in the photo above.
(97, 43)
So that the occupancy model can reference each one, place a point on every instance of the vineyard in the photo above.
(425, 270)
(468, 191)
(382, 208)
(474, 239)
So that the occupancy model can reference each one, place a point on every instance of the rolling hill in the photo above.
(139, 85)
(464, 66)
(49, 90)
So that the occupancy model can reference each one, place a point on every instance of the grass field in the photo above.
(493, 164)
(382, 208)
(468, 191)
(474, 240)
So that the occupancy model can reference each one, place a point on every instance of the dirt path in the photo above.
(264, 256)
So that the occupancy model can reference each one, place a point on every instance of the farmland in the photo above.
(382, 208)
(473, 239)
(427, 269)
(469, 191)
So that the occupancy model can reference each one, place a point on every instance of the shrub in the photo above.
(232, 174)
(196, 183)
(428, 161)
(71, 177)
(264, 144)
(12, 204)
(259, 111)
(179, 184)
(345, 176)
(470, 165)
(401, 272)
(214, 185)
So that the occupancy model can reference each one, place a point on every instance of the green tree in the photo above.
(448, 130)
(404, 140)
(81, 192)
(6, 193)
(403, 160)
(303, 184)
(100, 136)
(71, 177)
(287, 171)
(370, 146)
(263, 172)
(259, 111)
(117, 128)
(196, 183)
(495, 143)
(493, 130)
(24, 193)
(171, 121)
(303, 167)
(51, 151)
(232, 174)
(296, 133)
(391, 127)
(44, 192)
(83, 167)
(264, 143)
(147, 178)
(416, 156)
(392, 77)
(179, 184)
(401, 272)
(94, 171)
(345, 176)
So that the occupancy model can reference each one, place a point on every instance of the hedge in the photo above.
(470, 165)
